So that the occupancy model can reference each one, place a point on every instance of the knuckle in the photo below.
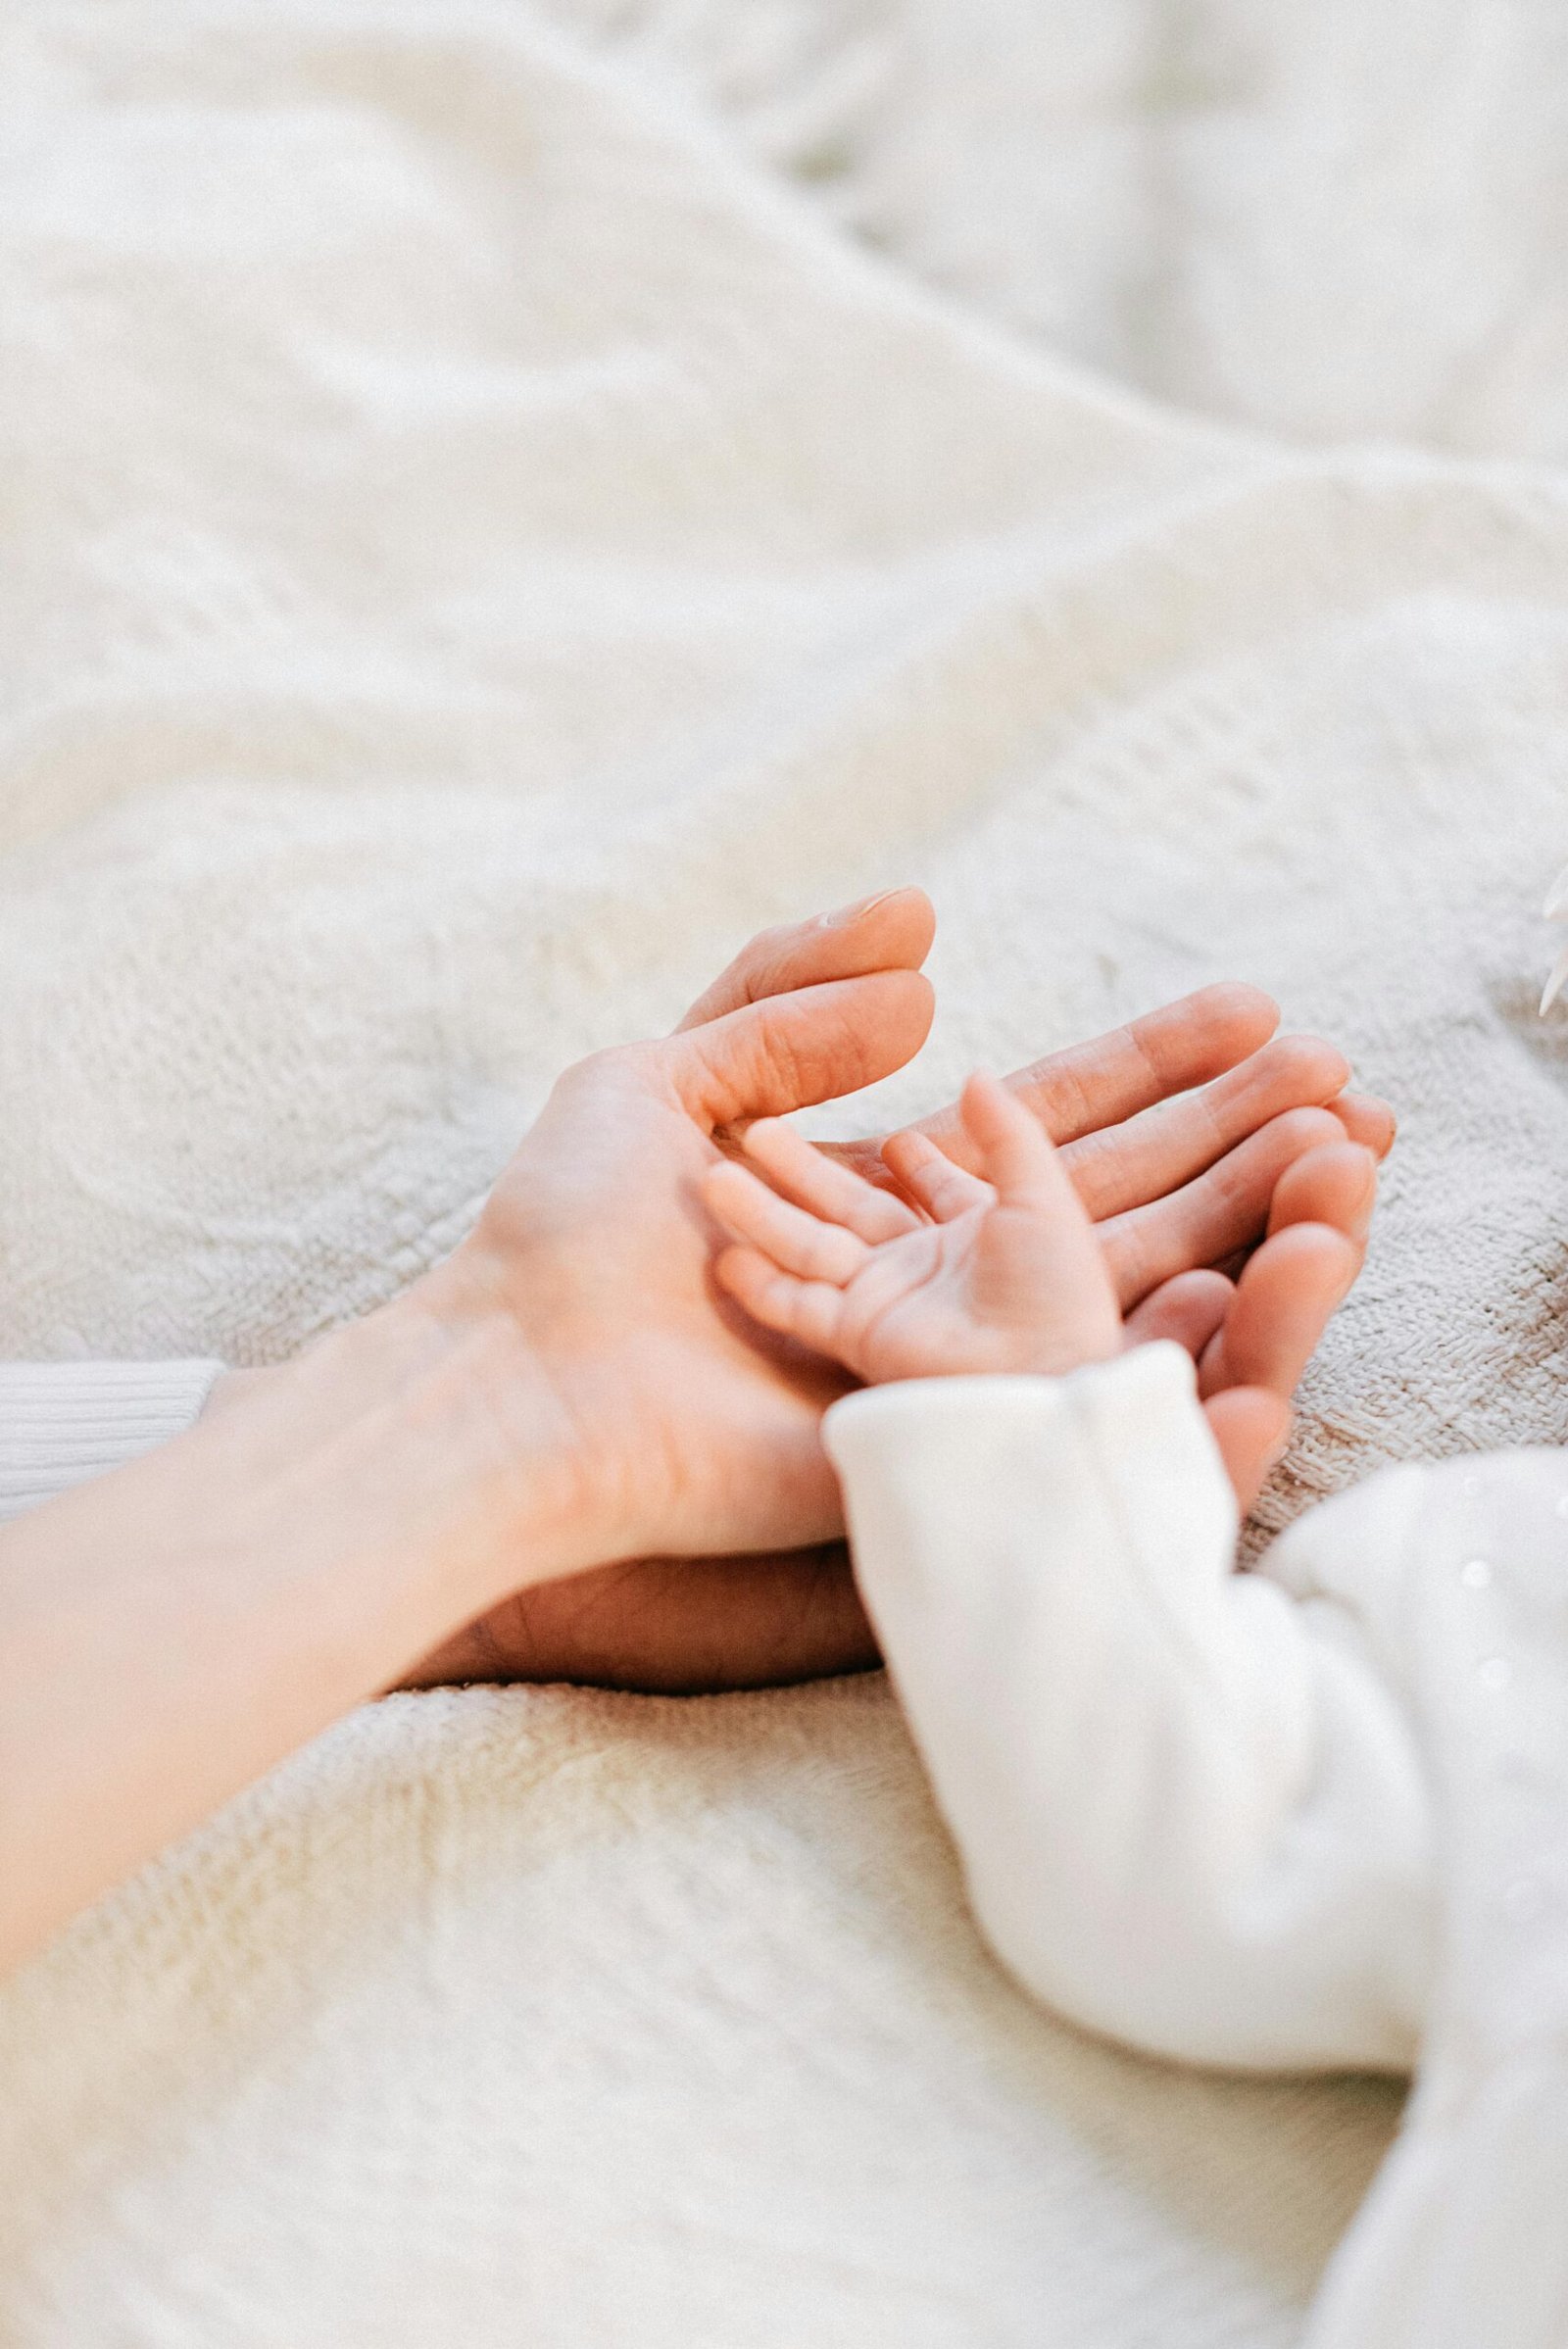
(593, 1070)
(786, 1058)
(759, 968)
(1067, 1111)
(1143, 1046)
(1127, 1254)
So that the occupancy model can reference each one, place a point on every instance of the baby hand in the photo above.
(1008, 1276)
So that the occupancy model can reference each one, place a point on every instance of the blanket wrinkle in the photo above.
(1331, 225)
(476, 549)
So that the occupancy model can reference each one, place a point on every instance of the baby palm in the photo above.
(1005, 1277)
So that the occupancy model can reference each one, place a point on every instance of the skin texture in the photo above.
(572, 1388)
(1181, 1133)
(1001, 1275)
(1004, 1273)
(569, 1388)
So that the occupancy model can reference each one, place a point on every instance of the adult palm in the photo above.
(1178, 1129)
(597, 1249)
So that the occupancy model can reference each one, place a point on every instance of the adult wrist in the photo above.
(233, 1592)
(481, 1452)
(424, 1439)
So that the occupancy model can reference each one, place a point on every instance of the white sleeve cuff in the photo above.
(991, 1497)
(1186, 1817)
(64, 1422)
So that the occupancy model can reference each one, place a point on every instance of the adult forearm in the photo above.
(170, 1630)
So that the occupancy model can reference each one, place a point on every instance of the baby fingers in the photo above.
(932, 1180)
(823, 1185)
(809, 1311)
(792, 1240)
(1019, 1160)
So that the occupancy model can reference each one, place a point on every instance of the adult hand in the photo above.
(565, 1389)
(592, 1261)
(698, 1626)
(1179, 1130)
(1184, 1133)
(1176, 1128)
(1254, 1337)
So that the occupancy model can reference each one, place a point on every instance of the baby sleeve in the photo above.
(1190, 1810)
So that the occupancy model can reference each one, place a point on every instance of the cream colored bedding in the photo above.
(476, 544)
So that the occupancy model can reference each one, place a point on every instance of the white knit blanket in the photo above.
(474, 546)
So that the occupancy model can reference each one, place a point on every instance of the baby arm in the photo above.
(1190, 1813)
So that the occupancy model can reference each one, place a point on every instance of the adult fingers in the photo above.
(1285, 1300)
(1252, 1428)
(1114, 1076)
(801, 1172)
(1152, 1153)
(1368, 1120)
(1189, 1310)
(787, 1052)
(931, 1179)
(1208, 1220)
(786, 1235)
(890, 931)
(1336, 1184)
(1169, 1154)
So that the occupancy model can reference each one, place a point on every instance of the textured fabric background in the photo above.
(476, 546)
(1339, 221)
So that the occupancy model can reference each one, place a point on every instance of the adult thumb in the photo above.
(791, 1051)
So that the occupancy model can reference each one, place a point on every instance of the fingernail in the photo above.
(861, 905)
